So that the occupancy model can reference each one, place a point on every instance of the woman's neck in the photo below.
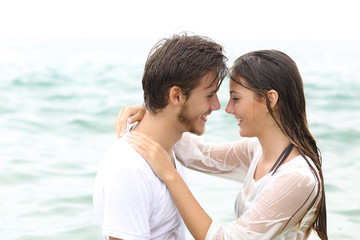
(273, 142)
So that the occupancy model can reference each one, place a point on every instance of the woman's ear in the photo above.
(273, 97)
(176, 96)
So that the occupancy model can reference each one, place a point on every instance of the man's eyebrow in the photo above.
(213, 91)
(211, 86)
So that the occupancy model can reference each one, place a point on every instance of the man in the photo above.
(181, 78)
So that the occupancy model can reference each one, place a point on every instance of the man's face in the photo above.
(202, 101)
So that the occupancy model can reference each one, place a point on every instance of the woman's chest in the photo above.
(249, 194)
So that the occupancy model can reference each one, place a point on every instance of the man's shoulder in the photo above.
(122, 157)
(120, 147)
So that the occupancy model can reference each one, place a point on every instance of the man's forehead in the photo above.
(209, 81)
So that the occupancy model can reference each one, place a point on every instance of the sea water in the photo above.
(59, 99)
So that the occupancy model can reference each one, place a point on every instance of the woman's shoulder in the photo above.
(299, 171)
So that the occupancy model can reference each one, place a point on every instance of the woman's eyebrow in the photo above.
(233, 91)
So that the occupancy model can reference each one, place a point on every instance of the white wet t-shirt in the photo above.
(130, 201)
(269, 208)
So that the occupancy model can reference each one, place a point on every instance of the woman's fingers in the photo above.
(145, 143)
(152, 152)
(128, 115)
(140, 150)
(139, 114)
(119, 123)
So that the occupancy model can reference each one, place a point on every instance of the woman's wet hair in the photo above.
(265, 70)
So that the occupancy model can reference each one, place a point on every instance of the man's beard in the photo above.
(188, 122)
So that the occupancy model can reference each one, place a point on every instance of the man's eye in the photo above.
(210, 96)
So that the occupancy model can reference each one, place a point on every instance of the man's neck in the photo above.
(162, 129)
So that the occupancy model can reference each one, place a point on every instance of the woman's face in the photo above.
(250, 113)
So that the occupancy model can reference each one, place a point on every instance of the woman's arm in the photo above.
(284, 200)
(195, 218)
(229, 159)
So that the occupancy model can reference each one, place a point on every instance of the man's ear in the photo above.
(176, 96)
(273, 97)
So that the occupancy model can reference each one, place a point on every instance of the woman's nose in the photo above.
(229, 108)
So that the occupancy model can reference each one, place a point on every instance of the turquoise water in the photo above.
(59, 98)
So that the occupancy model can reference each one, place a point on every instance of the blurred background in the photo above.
(66, 68)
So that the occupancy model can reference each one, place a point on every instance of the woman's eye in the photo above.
(235, 99)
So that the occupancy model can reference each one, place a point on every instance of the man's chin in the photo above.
(198, 132)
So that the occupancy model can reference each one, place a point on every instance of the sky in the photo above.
(152, 19)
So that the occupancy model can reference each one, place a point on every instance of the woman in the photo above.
(279, 163)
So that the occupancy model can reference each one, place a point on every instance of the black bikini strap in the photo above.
(282, 158)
